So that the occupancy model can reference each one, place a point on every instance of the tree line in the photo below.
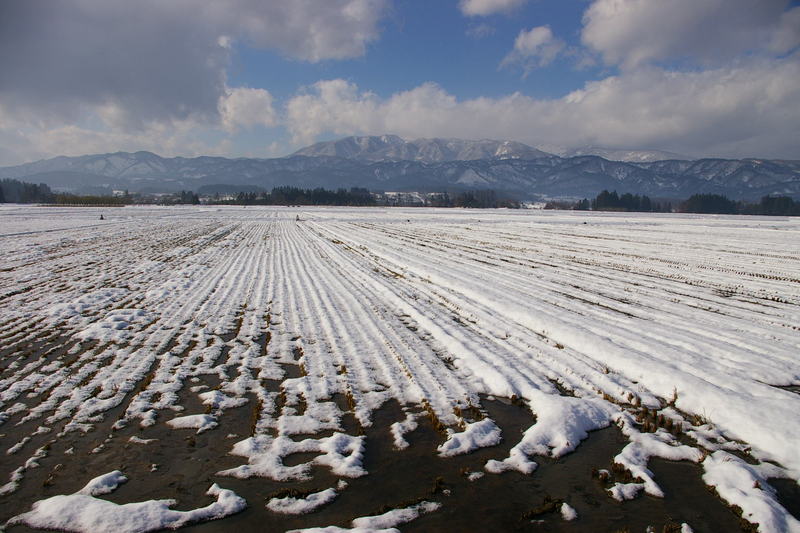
(478, 199)
(697, 203)
(716, 203)
(15, 191)
(357, 196)
(612, 201)
(297, 196)
(20, 192)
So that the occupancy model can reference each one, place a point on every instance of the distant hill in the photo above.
(393, 148)
(630, 156)
(388, 163)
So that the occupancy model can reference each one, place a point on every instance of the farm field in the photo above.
(419, 369)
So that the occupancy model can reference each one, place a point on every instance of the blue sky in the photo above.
(265, 77)
(461, 54)
(437, 47)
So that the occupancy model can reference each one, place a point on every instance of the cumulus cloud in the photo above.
(245, 107)
(30, 140)
(481, 8)
(533, 48)
(153, 59)
(636, 32)
(332, 105)
(84, 76)
(305, 29)
(130, 66)
(747, 110)
(59, 57)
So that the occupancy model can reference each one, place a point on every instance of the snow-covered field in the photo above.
(683, 331)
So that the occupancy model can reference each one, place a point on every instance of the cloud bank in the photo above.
(631, 33)
(733, 112)
(85, 74)
(702, 77)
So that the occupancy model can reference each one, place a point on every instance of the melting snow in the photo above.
(568, 513)
(476, 435)
(307, 504)
(694, 318)
(82, 512)
(384, 523)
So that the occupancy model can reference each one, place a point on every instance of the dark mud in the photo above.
(182, 465)
(788, 495)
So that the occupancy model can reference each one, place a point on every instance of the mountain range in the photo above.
(393, 148)
(389, 163)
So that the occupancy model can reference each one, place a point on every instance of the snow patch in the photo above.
(138, 440)
(384, 523)
(636, 454)
(342, 453)
(476, 435)
(217, 400)
(312, 502)
(400, 429)
(745, 485)
(199, 422)
(105, 484)
(562, 422)
(82, 512)
(568, 513)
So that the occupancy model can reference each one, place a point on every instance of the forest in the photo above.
(697, 203)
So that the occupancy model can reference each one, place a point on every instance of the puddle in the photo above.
(788, 495)
(294, 459)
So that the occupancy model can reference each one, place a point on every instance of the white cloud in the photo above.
(113, 71)
(481, 8)
(161, 84)
(243, 107)
(636, 32)
(747, 110)
(533, 48)
(304, 29)
(29, 140)
(332, 105)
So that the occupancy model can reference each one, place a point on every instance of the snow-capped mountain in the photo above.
(394, 148)
(629, 156)
(612, 154)
(388, 163)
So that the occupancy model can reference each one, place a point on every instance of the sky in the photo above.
(262, 78)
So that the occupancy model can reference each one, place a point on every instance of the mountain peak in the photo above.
(617, 154)
(390, 163)
(427, 150)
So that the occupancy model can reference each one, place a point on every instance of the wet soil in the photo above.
(788, 495)
(187, 464)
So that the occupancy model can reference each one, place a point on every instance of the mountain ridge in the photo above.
(543, 176)
(429, 150)
(628, 156)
